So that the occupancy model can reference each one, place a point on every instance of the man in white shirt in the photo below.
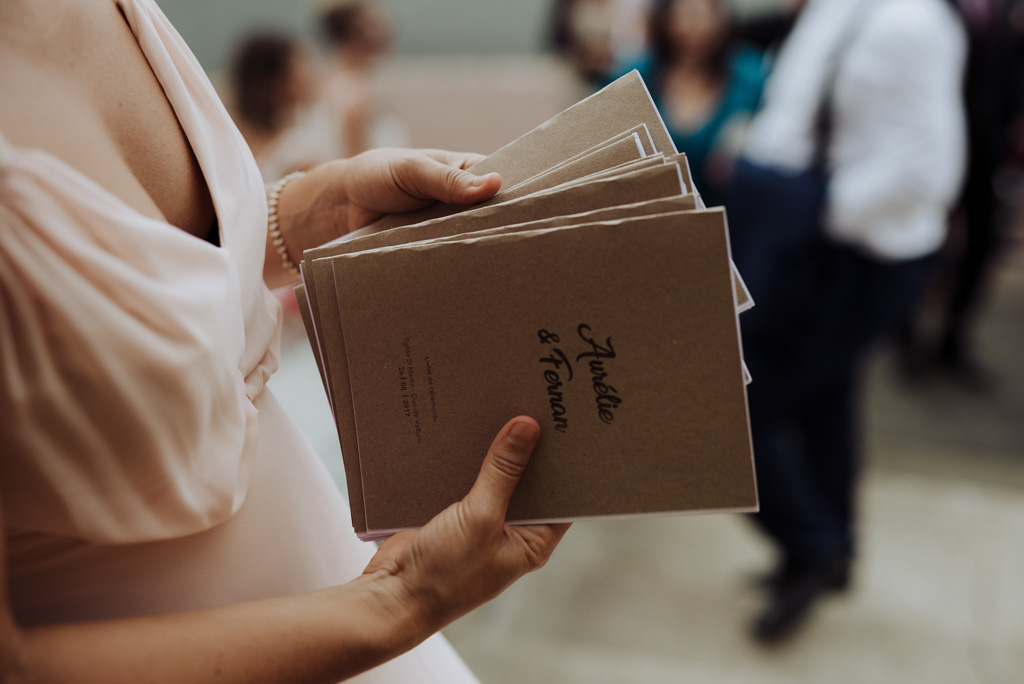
(888, 73)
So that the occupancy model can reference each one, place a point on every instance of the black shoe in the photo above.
(793, 591)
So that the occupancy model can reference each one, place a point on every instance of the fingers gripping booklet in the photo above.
(598, 297)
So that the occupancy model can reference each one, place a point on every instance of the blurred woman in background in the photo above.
(704, 84)
(276, 108)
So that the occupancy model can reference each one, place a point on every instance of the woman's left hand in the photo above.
(341, 196)
(389, 181)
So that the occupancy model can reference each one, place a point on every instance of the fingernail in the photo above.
(478, 181)
(523, 435)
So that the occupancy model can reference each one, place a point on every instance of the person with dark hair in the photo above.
(358, 34)
(705, 85)
(343, 23)
(262, 71)
(276, 108)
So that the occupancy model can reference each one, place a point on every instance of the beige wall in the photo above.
(213, 27)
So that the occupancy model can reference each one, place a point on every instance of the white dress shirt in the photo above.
(897, 147)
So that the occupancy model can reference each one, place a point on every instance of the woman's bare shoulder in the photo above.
(50, 76)
(77, 85)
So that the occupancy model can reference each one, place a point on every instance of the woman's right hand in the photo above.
(467, 554)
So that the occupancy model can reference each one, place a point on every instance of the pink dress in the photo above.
(144, 465)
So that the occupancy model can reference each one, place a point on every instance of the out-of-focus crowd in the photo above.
(868, 154)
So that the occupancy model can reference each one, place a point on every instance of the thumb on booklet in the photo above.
(503, 465)
(433, 178)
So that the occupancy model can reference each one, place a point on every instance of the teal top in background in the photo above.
(705, 145)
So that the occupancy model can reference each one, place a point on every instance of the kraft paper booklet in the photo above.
(621, 338)
(663, 181)
(659, 206)
(559, 177)
(337, 371)
(650, 208)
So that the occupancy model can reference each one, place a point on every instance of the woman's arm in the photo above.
(318, 637)
(341, 196)
(419, 581)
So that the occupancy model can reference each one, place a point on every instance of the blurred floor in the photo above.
(939, 595)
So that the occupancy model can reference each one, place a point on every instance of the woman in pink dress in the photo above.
(163, 519)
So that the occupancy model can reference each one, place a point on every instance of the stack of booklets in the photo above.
(594, 293)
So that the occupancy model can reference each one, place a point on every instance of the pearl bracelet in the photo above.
(275, 230)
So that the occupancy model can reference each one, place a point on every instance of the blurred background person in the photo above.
(849, 173)
(993, 94)
(275, 91)
(358, 35)
(705, 84)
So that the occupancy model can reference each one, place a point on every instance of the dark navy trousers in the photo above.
(806, 343)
